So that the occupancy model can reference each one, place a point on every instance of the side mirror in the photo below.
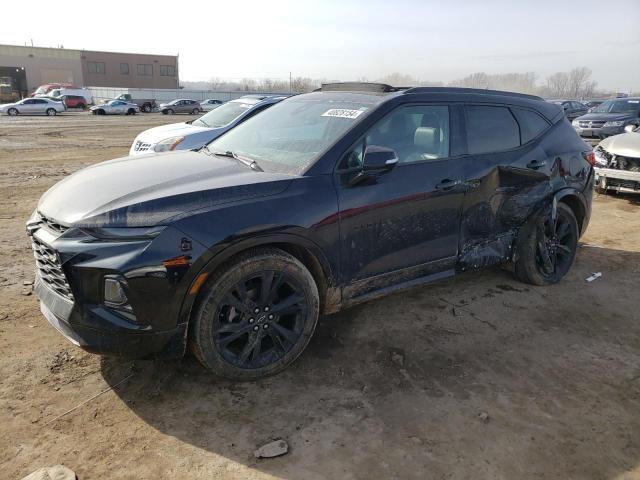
(378, 159)
(630, 128)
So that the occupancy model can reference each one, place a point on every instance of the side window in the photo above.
(416, 133)
(531, 124)
(491, 129)
(27, 102)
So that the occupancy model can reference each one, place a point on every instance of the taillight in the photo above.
(590, 157)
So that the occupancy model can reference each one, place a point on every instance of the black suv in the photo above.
(322, 201)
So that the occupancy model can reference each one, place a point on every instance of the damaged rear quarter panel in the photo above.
(503, 192)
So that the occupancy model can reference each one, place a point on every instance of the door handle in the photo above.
(446, 184)
(535, 164)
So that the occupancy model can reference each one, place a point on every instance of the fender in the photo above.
(333, 297)
(577, 201)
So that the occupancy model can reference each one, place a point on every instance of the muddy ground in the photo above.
(473, 378)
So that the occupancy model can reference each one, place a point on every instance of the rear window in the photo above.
(491, 129)
(531, 124)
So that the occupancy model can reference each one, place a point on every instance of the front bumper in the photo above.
(601, 132)
(71, 268)
(617, 180)
(108, 337)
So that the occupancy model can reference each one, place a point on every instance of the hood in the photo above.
(606, 117)
(7, 105)
(156, 134)
(152, 189)
(625, 144)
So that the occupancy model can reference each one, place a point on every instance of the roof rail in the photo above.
(470, 90)
(359, 87)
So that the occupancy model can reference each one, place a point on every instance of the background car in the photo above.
(80, 92)
(181, 106)
(115, 107)
(609, 118)
(572, 108)
(210, 104)
(196, 133)
(73, 101)
(34, 106)
(618, 162)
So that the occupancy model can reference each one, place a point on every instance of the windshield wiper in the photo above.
(252, 164)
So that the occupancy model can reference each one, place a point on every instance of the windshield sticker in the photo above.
(633, 101)
(342, 113)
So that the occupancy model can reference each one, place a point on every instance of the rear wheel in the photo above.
(131, 111)
(546, 246)
(256, 317)
(13, 112)
(51, 112)
(195, 111)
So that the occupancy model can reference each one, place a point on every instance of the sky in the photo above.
(440, 40)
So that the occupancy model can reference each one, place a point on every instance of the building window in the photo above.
(167, 71)
(96, 67)
(124, 69)
(145, 70)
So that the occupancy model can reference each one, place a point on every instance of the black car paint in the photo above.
(416, 223)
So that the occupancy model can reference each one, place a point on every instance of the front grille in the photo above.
(590, 124)
(50, 268)
(141, 146)
(53, 225)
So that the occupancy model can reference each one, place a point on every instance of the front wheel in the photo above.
(131, 111)
(146, 108)
(195, 111)
(13, 112)
(168, 111)
(546, 246)
(257, 315)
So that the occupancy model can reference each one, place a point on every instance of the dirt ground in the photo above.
(480, 377)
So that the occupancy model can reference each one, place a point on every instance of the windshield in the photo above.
(292, 134)
(618, 106)
(224, 114)
(40, 90)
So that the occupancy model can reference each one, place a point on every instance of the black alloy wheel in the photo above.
(255, 316)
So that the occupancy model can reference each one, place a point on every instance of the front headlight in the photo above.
(124, 233)
(168, 144)
(575, 123)
(615, 123)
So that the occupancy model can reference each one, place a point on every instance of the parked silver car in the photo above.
(33, 106)
(181, 105)
(210, 104)
(115, 107)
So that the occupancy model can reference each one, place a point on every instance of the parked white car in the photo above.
(58, 92)
(618, 162)
(115, 107)
(210, 104)
(33, 106)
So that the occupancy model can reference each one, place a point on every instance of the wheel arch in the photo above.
(305, 250)
(575, 201)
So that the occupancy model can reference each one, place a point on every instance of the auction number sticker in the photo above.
(342, 113)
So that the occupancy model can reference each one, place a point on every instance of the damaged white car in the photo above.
(618, 162)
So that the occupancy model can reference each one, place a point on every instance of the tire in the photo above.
(146, 108)
(131, 111)
(169, 111)
(280, 330)
(544, 251)
(13, 112)
(51, 112)
(195, 111)
(82, 106)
